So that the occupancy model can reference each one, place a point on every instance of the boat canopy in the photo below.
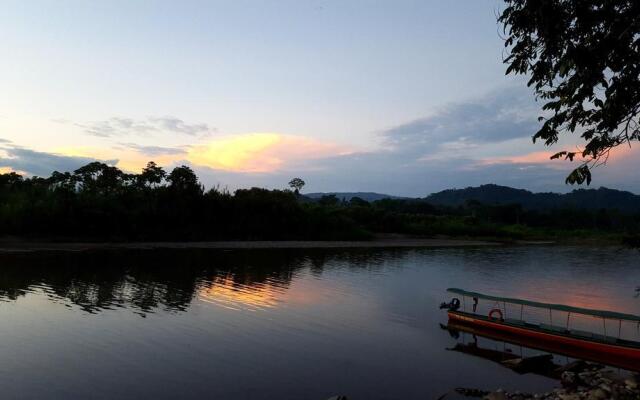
(559, 307)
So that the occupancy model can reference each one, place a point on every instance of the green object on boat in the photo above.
(558, 307)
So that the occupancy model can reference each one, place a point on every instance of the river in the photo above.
(276, 324)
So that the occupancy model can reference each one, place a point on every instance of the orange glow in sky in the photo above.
(252, 153)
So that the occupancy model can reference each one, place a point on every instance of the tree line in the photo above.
(101, 202)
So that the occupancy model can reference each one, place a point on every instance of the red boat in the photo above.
(580, 344)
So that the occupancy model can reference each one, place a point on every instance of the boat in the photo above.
(600, 347)
(543, 345)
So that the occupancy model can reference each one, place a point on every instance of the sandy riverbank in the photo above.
(28, 246)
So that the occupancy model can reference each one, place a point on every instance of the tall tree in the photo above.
(97, 176)
(296, 184)
(583, 60)
(183, 179)
(152, 175)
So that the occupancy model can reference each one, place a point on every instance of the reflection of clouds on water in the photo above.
(224, 292)
(294, 321)
(404, 283)
(169, 280)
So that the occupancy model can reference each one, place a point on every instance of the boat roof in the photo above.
(559, 307)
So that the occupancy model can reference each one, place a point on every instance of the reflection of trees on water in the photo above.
(145, 281)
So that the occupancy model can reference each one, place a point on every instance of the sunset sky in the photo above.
(405, 97)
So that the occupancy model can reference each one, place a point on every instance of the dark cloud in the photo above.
(5, 141)
(153, 150)
(497, 117)
(41, 163)
(126, 126)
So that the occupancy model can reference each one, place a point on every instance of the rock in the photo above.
(575, 366)
(605, 387)
(568, 378)
(498, 395)
(597, 394)
(471, 392)
(569, 396)
(631, 383)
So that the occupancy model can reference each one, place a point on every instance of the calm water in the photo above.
(274, 324)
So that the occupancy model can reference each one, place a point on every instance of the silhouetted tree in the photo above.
(329, 200)
(100, 202)
(97, 176)
(358, 202)
(63, 181)
(152, 175)
(184, 180)
(296, 184)
(583, 60)
(10, 179)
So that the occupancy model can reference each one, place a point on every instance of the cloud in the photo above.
(177, 125)
(5, 141)
(484, 140)
(536, 157)
(261, 152)
(153, 150)
(42, 163)
(497, 117)
(117, 126)
(265, 153)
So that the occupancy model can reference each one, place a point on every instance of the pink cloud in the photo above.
(617, 155)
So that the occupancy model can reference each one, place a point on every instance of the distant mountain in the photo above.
(582, 198)
(368, 196)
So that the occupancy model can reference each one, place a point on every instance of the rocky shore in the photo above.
(579, 381)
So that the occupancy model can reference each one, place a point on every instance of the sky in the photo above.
(399, 97)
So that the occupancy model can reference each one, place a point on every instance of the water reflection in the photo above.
(145, 281)
(501, 347)
(303, 324)
(223, 291)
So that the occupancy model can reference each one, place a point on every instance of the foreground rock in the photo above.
(581, 381)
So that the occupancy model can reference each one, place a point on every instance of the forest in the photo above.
(99, 202)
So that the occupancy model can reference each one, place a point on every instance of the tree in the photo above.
(583, 59)
(97, 176)
(296, 184)
(10, 178)
(329, 200)
(152, 175)
(183, 179)
(358, 202)
(63, 181)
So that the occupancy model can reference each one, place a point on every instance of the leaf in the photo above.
(579, 176)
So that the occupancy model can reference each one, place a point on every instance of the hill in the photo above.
(367, 196)
(589, 199)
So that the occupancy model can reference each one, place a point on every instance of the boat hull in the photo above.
(608, 353)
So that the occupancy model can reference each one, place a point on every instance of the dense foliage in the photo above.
(583, 60)
(100, 202)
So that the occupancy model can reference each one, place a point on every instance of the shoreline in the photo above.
(29, 247)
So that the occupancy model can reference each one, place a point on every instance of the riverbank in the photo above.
(586, 381)
(12, 246)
